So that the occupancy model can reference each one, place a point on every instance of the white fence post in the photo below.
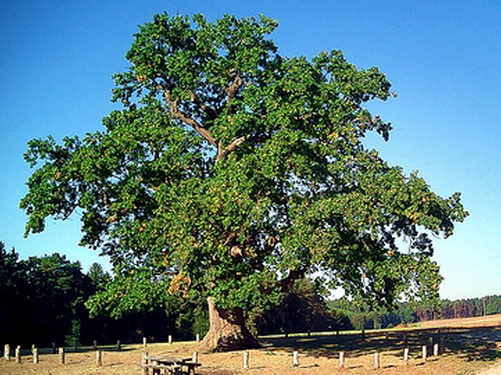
(6, 352)
(18, 354)
(62, 358)
(246, 359)
(99, 358)
(377, 359)
(295, 359)
(35, 355)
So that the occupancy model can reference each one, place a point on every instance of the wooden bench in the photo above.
(172, 366)
(159, 369)
(191, 366)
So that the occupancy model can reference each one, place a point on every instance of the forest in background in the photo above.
(43, 299)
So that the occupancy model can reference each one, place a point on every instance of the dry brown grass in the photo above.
(470, 347)
(479, 321)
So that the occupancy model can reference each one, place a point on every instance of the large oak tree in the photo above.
(232, 171)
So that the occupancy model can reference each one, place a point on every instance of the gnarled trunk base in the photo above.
(227, 331)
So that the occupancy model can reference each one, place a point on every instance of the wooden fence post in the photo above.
(145, 342)
(18, 354)
(6, 352)
(195, 357)
(246, 359)
(99, 358)
(197, 337)
(295, 359)
(144, 361)
(95, 344)
(423, 351)
(62, 358)
(377, 359)
(341, 359)
(169, 339)
(35, 355)
(435, 349)
(406, 356)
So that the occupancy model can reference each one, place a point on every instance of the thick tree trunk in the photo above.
(227, 330)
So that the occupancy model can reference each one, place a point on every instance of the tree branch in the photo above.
(204, 107)
(106, 198)
(187, 120)
(232, 90)
(223, 153)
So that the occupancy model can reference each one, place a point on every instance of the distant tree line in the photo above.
(357, 315)
(42, 301)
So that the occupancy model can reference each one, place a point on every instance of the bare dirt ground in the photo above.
(470, 348)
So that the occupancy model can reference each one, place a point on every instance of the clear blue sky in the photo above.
(443, 58)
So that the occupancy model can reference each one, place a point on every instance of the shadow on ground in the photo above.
(474, 344)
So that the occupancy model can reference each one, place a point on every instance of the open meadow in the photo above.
(471, 346)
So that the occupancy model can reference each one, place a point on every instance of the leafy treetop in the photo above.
(231, 171)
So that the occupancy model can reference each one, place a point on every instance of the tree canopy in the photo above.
(232, 171)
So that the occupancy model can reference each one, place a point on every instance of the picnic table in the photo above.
(168, 365)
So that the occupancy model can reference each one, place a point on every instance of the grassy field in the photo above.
(471, 345)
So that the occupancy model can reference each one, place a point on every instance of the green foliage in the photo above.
(55, 289)
(130, 291)
(98, 276)
(492, 305)
(74, 335)
(192, 320)
(231, 171)
(41, 298)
